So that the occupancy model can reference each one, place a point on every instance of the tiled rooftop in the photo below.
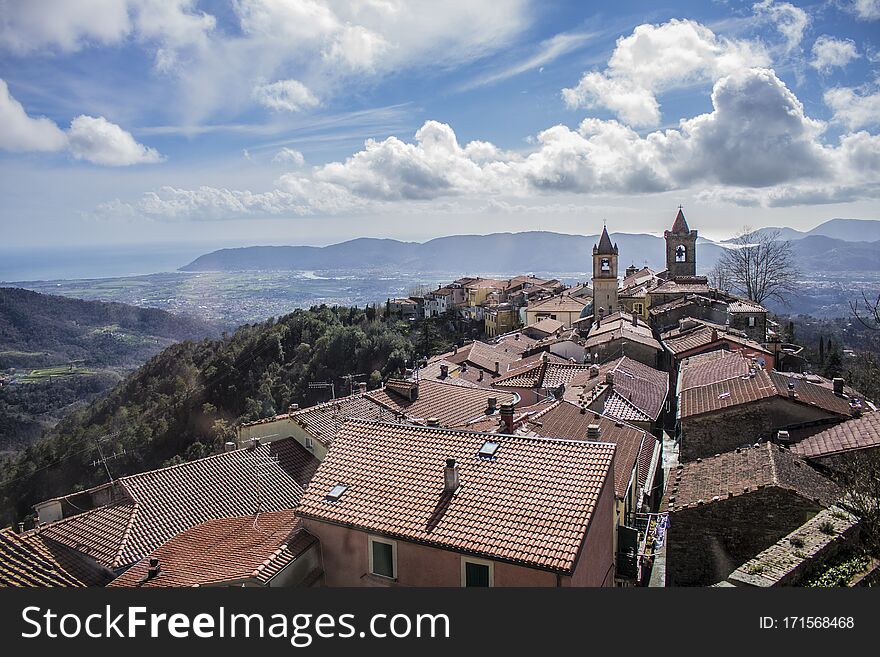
(702, 336)
(636, 386)
(30, 560)
(530, 504)
(566, 420)
(225, 550)
(858, 433)
(713, 367)
(452, 404)
(561, 303)
(743, 471)
(159, 504)
(323, 420)
(540, 374)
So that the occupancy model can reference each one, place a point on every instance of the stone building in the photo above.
(726, 509)
(681, 251)
(605, 284)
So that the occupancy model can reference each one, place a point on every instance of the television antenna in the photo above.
(350, 378)
(324, 384)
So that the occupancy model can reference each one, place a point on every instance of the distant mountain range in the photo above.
(848, 230)
(833, 246)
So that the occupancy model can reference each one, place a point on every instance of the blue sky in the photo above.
(247, 121)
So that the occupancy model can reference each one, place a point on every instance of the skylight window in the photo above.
(336, 492)
(488, 450)
(724, 395)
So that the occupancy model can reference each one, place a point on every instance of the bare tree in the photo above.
(759, 265)
(860, 478)
(718, 278)
(866, 311)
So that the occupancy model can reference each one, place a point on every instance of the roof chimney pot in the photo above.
(450, 476)
(593, 431)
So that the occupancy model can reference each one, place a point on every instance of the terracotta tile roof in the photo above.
(516, 343)
(743, 471)
(649, 461)
(540, 374)
(638, 393)
(452, 404)
(484, 356)
(493, 424)
(812, 394)
(160, 504)
(30, 560)
(560, 303)
(724, 394)
(567, 421)
(530, 504)
(323, 420)
(99, 533)
(713, 367)
(821, 381)
(743, 306)
(858, 433)
(225, 550)
(682, 287)
(546, 325)
(702, 336)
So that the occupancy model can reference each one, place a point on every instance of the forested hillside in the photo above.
(184, 402)
(58, 353)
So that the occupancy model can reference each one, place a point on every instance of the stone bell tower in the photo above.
(681, 248)
(604, 277)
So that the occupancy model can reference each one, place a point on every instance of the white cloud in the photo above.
(868, 10)
(98, 141)
(20, 132)
(657, 58)
(790, 21)
(829, 53)
(852, 109)
(756, 147)
(70, 26)
(356, 48)
(285, 95)
(289, 156)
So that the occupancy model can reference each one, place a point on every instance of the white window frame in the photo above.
(752, 321)
(386, 541)
(479, 562)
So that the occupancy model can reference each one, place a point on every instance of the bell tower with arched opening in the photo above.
(604, 277)
(681, 248)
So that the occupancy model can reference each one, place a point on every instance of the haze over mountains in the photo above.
(836, 245)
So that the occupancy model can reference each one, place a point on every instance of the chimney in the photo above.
(593, 432)
(255, 442)
(480, 378)
(362, 387)
(838, 384)
(783, 437)
(229, 446)
(152, 572)
(450, 476)
(497, 367)
(635, 319)
(599, 319)
(714, 335)
(444, 371)
(791, 392)
(545, 357)
(609, 378)
(293, 408)
(493, 405)
(433, 422)
(507, 410)
(594, 371)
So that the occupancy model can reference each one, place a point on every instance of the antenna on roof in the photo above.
(350, 378)
(324, 384)
(260, 464)
(103, 460)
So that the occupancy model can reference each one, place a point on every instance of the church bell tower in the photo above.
(681, 248)
(604, 277)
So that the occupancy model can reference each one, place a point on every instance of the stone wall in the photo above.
(708, 542)
(725, 430)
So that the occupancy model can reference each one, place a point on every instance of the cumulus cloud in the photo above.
(756, 147)
(100, 142)
(289, 156)
(829, 53)
(854, 110)
(285, 95)
(867, 10)
(657, 58)
(790, 21)
(20, 132)
(96, 140)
